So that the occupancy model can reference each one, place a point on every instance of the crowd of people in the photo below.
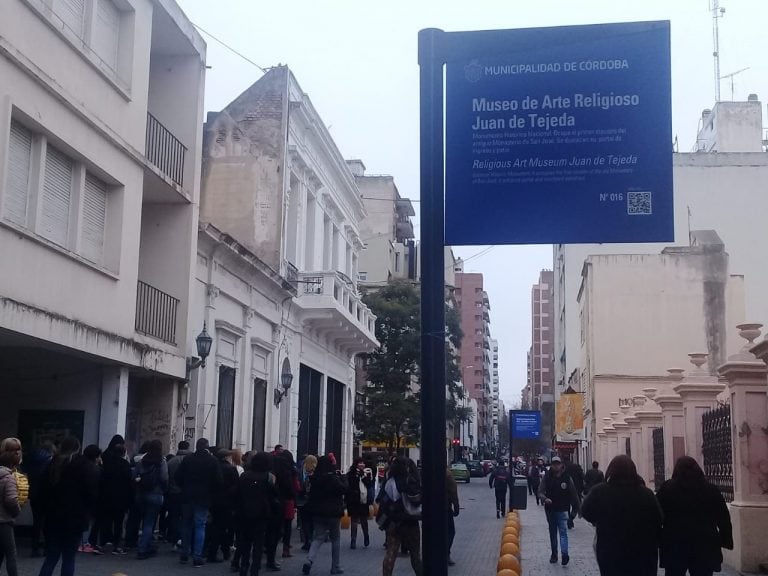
(212, 505)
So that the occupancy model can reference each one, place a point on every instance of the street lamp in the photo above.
(286, 379)
(203, 342)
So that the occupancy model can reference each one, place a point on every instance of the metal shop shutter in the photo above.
(17, 179)
(57, 196)
(72, 13)
(94, 218)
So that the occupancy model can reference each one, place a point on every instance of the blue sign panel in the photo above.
(559, 135)
(524, 424)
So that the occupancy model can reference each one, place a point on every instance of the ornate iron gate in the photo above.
(717, 449)
(658, 457)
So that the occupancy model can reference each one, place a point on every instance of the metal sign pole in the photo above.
(433, 439)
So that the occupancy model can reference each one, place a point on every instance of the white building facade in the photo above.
(100, 142)
(719, 187)
(275, 183)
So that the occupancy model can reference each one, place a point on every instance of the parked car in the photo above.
(460, 472)
(476, 468)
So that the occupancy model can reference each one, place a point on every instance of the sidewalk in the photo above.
(535, 551)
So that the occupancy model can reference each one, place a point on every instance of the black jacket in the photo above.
(561, 491)
(628, 521)
(116, 486)
(199, 476)
(257, 498)
(327, 495)
(224, 498)
(592, 478)
(697, 524)
(69, 492)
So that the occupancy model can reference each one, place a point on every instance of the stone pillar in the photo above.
(609, 433)
(745, 373)
(114, 403)
(636, 449)
(600, 449)
(622, 430)
(650, 418)
(698, 391)
(672, 418)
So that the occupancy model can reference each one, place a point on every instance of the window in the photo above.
(72, 14)
(106, 33)
(94, 218)
(57, 196)
(68, 206)
(362, 276)
(17, 182)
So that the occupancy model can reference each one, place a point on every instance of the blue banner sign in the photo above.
(559, 135)
(524, 424)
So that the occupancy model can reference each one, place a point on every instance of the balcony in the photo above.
(165, 151)
(333, 309)
(156, 313)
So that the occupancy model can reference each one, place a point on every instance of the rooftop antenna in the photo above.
(717, 13)
(731, 75)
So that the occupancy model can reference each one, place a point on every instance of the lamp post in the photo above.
(286, 379)
(203, 343)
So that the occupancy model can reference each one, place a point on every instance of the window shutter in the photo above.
(94, 217)
(106, 36)
(17, 180)
(57, 195)
(72, 13)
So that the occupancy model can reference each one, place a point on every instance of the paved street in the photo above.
(475, 550)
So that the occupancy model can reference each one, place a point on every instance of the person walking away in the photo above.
(35, 466)
(92, 453)
(69, 493)
(593, 477)
(399, 514)
(198, 477)
(499, 479)
(115, 493)
(534, 479)
(10, 507)
(452, 493)
(576, 472)
(558, 493)
(697, 524)
(257, 502)
(529, 477)
(151, 483)
(222, 510)
(135, 513)
(326, 502)
(288, 487)
(173, 497)
(357, 500)
(305, 516)
(628, 521)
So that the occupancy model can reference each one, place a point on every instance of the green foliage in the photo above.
(390, 413)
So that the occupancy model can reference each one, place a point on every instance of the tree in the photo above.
(390, 413)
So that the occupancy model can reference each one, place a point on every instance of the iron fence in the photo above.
(164, 150)
(156, 313)
(717, 449)
(659, 475)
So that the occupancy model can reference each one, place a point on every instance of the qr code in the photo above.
(639, 203)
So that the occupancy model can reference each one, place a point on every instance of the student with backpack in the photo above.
(151, 483)
(498, 479)
(400, 512)
(257, 504)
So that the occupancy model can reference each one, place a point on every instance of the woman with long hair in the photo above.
(697, 524)
(326, 502)
(10, 458)
(305, 485)
(69, 493)
(628, 521)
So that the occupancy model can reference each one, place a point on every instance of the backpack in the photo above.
(500, 477)
(258, 497)
(411, 496)
(148, 478)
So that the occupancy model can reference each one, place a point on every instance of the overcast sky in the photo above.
(357, 61)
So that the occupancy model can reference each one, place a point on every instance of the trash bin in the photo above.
(518, 497)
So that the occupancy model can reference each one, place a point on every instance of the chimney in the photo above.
(356, 167)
